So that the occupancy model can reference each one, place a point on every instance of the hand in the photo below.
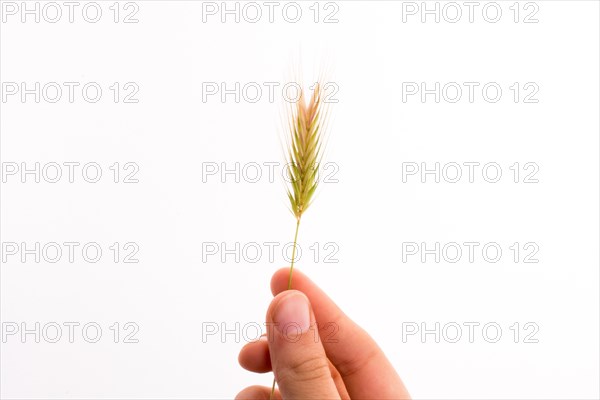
(346, 365)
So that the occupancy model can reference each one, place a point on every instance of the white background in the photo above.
(370, 52)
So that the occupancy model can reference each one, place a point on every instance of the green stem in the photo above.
(272, 390)
(293, 254)
(289, 283)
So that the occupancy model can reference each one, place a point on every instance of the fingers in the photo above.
(257, 393)
(255, 357)
(339, 383)
(299, 362)
(365, 370)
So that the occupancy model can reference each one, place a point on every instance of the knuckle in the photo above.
(307, 369)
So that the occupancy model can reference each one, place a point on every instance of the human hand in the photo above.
(351, 366)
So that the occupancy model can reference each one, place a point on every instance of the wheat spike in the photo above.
(304, 149)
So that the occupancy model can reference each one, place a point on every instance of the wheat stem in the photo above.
(289, 283)
(272, 390)
(293, 254)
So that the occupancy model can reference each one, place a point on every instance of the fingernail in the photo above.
(292, 314)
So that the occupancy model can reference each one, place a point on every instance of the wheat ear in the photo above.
(304, 147)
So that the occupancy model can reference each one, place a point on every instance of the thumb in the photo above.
(298, 359)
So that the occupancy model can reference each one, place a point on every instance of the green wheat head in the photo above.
(304, 148)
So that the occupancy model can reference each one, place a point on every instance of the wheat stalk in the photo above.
(305, 142)
(304, 150)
